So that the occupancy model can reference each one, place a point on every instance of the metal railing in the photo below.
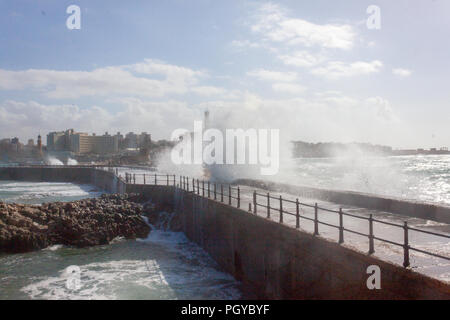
(228, 194)
(341, 228)
(149, 178)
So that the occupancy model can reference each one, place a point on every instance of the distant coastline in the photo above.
(302, 149)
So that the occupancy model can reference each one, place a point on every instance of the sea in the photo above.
(416, 177)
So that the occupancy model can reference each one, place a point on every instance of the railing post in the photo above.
(341, 226)
(174, 180)
(198, 187)
(193, 185)
(180, 182)
(229, 195)
(297, 214)
(187, 184)
(249, 207)
(134, 178)
(254, 202)
(167, 179)
(203, 188)
(268, 205)
(144, 178)
(371, 247)
(215, 191)
(316, 220)
(406, 246)
(238, 197)
(281, 210)
(209, 190)
(221, 192)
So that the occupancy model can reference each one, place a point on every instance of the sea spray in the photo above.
(53, 161)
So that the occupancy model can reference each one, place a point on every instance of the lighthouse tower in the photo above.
(39, 144)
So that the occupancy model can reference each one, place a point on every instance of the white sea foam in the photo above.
(100, 281)
(165, 265)
(72, 162)
(40, 191)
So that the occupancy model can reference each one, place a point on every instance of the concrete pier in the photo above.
(272, 260)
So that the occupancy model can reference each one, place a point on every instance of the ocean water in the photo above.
(418, 177)
(40, 192)
(166, 265)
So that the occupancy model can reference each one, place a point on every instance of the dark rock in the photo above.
(80, 223)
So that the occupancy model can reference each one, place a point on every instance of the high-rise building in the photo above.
(59, 141)
(83, 143)
(80, 142)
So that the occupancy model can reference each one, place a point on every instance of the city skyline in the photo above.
(250, 63)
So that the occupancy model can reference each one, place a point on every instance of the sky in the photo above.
(312, 69)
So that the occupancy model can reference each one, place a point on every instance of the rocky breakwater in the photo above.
(80, 223)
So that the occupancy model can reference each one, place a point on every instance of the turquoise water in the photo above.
(164, 266)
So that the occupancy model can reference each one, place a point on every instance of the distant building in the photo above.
(59, 141)
(82, 143)
(135, 141)
(131, 140)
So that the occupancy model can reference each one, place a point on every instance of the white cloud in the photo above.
(268, 75)
(273, 23)
(159, 118)
(338, 69)
(347, 118)
(150, 78)
(208, 90)
(402, 72)
(302, 59)
(290, 88)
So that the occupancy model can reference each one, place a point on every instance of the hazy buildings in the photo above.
(82, 143)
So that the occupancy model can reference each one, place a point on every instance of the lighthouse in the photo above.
(39, 144)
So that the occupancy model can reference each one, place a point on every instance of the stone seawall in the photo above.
(275, 261)
(440, 213)
(101, 179)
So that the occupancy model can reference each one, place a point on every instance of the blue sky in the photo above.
(310, 68)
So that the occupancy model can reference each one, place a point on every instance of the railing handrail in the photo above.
(227, 193)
